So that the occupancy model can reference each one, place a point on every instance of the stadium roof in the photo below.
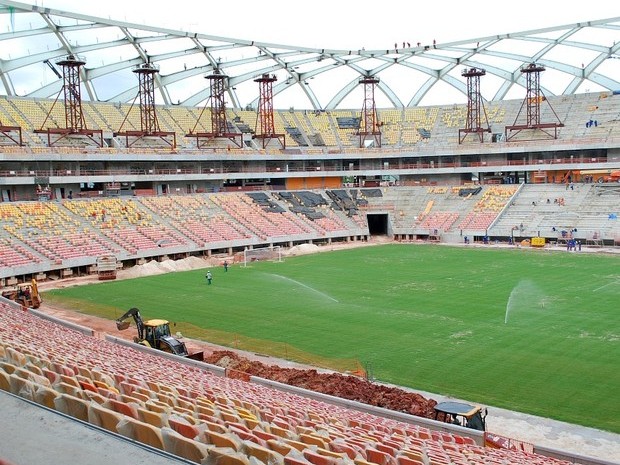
(577, 58)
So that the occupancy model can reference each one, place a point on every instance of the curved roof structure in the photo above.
(577, 58)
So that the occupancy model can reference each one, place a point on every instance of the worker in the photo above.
(209, 277)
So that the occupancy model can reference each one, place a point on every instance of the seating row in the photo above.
(190, 411)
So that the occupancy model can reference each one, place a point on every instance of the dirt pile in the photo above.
(154, 267)
(334, 384)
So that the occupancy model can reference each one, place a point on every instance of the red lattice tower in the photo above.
(149, 125)
(75, 122)
(265, 112)
(475, 106)
(532, 102)
(217, 104)
(369, 124)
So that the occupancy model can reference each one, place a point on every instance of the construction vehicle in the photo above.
(156, 334)
(460, 413)
(26, 294)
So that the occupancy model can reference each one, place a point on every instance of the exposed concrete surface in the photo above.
(31, 434)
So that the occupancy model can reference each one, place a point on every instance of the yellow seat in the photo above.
(178, 444)
(141, 432)
(263, 454)
(22, 387)
(220, 439)
(44, 395)
(103, 417)
(225, 456)
(152, 418)
(5, 383)
(72, 406)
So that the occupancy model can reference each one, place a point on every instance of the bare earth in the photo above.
(535, 430)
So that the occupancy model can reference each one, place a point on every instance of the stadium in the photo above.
(123, 145)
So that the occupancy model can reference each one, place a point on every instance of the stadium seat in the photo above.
(225, 456)
(182, 446)
(5, 381)
(140, 431)
(103, 417)
(72, 406)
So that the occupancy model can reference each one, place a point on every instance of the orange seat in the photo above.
(183, 427)
(264, 454)
(141, 432)
(72, 406)
(178, 444)
(318, 459)
(221, 439)
(103, 417)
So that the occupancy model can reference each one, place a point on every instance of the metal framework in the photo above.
(267, 131)
(532, 101)
(75, 122)
(149, 125)
(219, 123)
(11, 133)
(475, 106)
(435, 66)
(369, 122)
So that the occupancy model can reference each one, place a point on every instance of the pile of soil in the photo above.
(335, 384)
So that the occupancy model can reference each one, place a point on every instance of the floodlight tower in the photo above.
(475, 106)
(265, 111)
(533, 98)
(75, 123)
(219, 124)
(149, 125)
(369, 124)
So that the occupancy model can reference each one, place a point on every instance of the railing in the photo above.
(82, 172)
(422, 148)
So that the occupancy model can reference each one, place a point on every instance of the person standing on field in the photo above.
(225, 266)
(209, 277)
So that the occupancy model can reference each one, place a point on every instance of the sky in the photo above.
(346, 24)
(329, 24)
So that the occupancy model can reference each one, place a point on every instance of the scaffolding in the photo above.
(369, 123)
(149, 124)
(219, 124)
(265, 112)
(75, 122)
(534, 97)
(475, 106)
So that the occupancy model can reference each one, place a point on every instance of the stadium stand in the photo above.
(191, 410)
(151, 200)
(41, 236)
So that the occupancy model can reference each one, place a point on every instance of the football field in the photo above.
(528, 330)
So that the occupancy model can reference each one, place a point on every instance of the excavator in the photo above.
(26, 294)
(156, 334)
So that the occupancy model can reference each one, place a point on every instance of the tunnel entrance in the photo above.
(377, 224)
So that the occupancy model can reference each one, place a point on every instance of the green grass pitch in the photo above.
(527, 330)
